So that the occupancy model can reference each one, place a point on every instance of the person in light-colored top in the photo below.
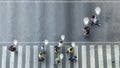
(94, 21)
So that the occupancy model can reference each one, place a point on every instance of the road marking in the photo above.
(51, 57)
(108, 54)
(19, 57)
(84, 62)
(58, 42)
(35, 57)
(67, 58)
(4, 54)
(60, 65)
(43, 64)
(76, 54)
(92, 57)
(100, 56)
(60, 1)
(12, 55)
(117, 55)
(27, 58)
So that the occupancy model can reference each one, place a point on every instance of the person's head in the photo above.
(61, 41)
(75, 56)
(85, 27)
(40, 53)
(58, 61)
(71, 49)
(93, 16)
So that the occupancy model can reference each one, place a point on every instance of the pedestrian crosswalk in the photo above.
(88, 56)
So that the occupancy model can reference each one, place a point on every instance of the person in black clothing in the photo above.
(57, 49)
(11, 48)
(86, 30)
(73, 58)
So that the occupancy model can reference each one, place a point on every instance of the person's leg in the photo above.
(97, 23)
(92, 23)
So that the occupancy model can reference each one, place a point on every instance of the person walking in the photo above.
(73, 58)
(94, 21)
(11, 48)
(57, 60)
(86, 30)
(41, 56)
(70, 50)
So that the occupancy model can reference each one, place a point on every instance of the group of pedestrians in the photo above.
(93, 21)
(58, 51)
(70, 51)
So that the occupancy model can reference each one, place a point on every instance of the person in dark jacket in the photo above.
(57, 49)
(73, 58)
(86, 30)
(12, 48)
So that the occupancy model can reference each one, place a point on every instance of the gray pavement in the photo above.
(34, 22)
(89, 56)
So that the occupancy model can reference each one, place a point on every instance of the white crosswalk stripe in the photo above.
(43, 64)
(84, 62)
(27, 58)
(51, 57)
(12, 56)
(35, 56)
(76, 54)
(67, 59)
(4, 54)
(100, 56)
(19, 65)
(117, 56)
(108, 54)
(92, 57)
(104, 57)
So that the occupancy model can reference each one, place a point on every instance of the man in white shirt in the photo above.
(94, 20)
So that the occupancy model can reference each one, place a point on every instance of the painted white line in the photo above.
(51, 57)
(43, 64)
(108, 54)
(35, 56)
(19, 64)
(76, 54)
(56, 42)
(59, 1)
(12, 55)
(117, 55)
(60, 65)
(92, 56)
(84, 62)
(4, 54)
(100, 56)
(67, 64)
(27, 58)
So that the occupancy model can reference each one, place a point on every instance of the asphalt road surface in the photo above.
(34, 22)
